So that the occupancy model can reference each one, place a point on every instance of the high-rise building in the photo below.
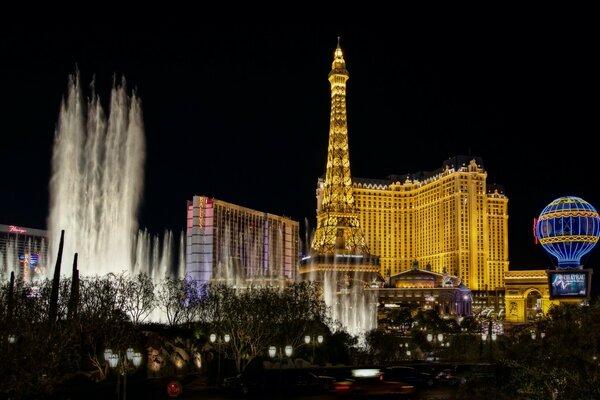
(449, 219)
(238, 245)
(23, 251)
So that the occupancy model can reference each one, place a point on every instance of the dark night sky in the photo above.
(242, 113)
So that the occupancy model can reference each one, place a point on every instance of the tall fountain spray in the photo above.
(350, 301)
(97, 184)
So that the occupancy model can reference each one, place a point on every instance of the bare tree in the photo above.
(35, 357)
(193, 300)
(301, 312)
(103, 323)
(171, 299)
(258, 317)
(137, 293)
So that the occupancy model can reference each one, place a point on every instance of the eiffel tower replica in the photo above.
(339, 244)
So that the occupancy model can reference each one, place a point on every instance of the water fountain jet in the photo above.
(97, 184)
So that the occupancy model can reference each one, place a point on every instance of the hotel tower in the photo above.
(448, 220)
(236, 245)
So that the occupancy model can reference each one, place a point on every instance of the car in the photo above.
(296, 381)
(409, 375)
(461, 374)
(450, 376)
(238, 385)
(372, 383)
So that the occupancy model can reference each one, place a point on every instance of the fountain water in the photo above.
(351, 304)
(96, 187)
(350, 301)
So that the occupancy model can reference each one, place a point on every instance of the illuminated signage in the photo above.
(566, 284)
(16, 229)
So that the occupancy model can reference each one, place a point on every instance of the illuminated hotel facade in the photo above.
(449, 219)
(23, 251)
(238, 245)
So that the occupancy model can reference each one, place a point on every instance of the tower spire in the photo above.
(338, 229)
(339, 256)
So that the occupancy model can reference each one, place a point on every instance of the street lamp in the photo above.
(534, 335)
(114, 360)
(214, 338)
(489, 338)
(439, 338)
(288, 350)
(131, 357)
(273, 351)
(542, 335)
(308, 340)
(492, 337)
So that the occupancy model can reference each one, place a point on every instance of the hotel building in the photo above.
(237, 245)
(23, 251)
(449, 219)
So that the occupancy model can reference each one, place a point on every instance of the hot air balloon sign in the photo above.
(568, 229)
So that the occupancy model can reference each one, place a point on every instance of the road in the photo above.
(436, 393)
(157, 390)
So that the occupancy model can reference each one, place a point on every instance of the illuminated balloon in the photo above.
(568, 228)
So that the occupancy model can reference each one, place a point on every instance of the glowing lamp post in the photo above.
(314, 340)
(489, 339)
(288, 351)
(130, 353)
(214, 338)
(132, 357)
(534, 335)
(136, 359)
(114, 360)
(107, 354)
(273, 353)
(435, 339)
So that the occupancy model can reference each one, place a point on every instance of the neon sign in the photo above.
(16, 229)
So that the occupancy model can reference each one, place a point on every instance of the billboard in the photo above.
(570, 284)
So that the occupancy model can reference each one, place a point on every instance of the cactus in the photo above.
(11, 290)
(53, 309)
(74, 298)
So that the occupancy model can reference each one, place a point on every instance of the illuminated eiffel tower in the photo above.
(339, 243)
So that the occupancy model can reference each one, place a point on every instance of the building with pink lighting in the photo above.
(23, 251)
(238, 245)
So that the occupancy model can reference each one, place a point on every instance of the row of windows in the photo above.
(431, 222)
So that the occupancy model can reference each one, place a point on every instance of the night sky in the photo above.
(242, 113)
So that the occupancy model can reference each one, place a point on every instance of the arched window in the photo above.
(534, 305)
